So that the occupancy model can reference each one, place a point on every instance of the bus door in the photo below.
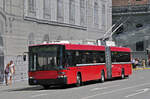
(108, 62)
(32, 61)
(71, 66)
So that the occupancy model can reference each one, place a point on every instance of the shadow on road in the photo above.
(34, 88)
(38, 88)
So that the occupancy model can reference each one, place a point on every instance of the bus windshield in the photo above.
(46, 57)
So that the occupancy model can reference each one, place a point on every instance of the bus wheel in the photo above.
(102, 77)
(78, 83)
(122, 74)
(45, 86)
(127, 76)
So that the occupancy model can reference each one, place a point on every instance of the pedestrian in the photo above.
(136, 63)
(143, 63)
(133, 63)
(12, 70)
(149, 61)
(7, 71)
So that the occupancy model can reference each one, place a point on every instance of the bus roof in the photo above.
(84, 47)
(120, 49)
(76, 46)
(87, 47)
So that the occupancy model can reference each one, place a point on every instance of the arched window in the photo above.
(60, 10)
(96, 13)
(1, 32)
(72, 11)
(1, 51)
(47, 9)
(46, 38)
(32, 6)
(82, 12)
(31, 39)
(140, 46)
(103, 15)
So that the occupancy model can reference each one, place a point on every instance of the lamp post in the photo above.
(147, 49)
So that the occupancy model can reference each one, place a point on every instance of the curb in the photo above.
(141, 69)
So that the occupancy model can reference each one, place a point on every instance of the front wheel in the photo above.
(78, 83)
(102, 77)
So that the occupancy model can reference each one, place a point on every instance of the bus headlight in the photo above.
(62, 76)
(31, 77)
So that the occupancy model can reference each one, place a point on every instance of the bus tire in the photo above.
(126, 77)
(122, 74)
(79, 81)
(102, 76)
(46, 86)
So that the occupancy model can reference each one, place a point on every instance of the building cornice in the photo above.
(54, 23)
(3, 13)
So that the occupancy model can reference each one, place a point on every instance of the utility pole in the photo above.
(4, 5)
(108, 35)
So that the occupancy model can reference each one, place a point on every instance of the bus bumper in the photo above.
(58, 81)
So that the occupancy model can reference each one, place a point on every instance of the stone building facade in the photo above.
(134, 32)
(25, 22)
(129, 2)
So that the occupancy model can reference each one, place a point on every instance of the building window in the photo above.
(32, 6)
(72, 11)
(31, 39)
(82, 12)
(103, 15)
(60, 10)
(139, 25)
(46, 38)
(96, 14)
(140, 46)
(47, 9)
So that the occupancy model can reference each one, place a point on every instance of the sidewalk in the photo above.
(141, 68)
(24, 84)
(15, 85)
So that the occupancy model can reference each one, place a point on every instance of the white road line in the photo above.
(95, 89)
(38, 95)
(41, 91)
(87, 86)
(113, 91)
(138, 92)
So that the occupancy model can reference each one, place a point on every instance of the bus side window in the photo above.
(83, 59)
(70, 58)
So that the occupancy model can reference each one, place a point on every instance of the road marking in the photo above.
(95, 89)
(38, 95)
(113, 91)
(42, 91)
(142, 78)
(138, 92)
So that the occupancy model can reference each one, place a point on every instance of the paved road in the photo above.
(136, 87)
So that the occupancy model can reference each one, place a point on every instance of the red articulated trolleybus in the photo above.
(56, 64)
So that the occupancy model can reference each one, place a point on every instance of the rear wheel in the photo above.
(102, 77)
(127, 76)
(78, 83)
(122, 74)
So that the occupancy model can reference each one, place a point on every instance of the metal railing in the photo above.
(131, 8)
